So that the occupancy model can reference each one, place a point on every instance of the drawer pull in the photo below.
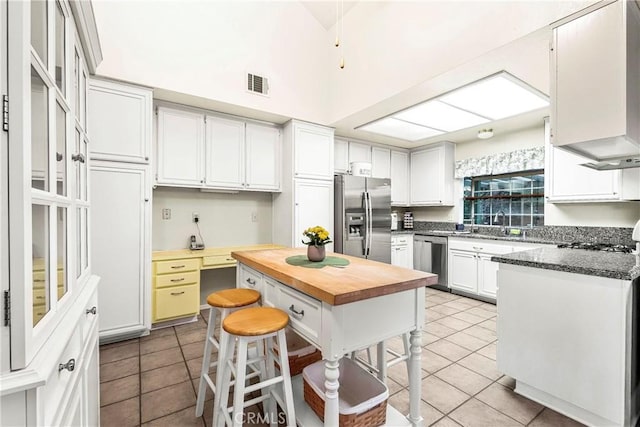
(69, 366)
(38, 280)
(177, 280)
(293, 310)
(40, 297)
(177, 293)
(477, 248)
(230, 259)
(251, 282)
(178, 266)
(91, 310)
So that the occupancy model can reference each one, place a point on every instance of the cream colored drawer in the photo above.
(214, 261)
(177, 266)
(249, 278)
(177, 279)
(62, 377)
(39, 278)
(179, 301)
(38, 312)
(39, 296)
(305, 313)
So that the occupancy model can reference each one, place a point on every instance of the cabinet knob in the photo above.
(78, 157)
(146, 158)
(91, 310)
(69, 366)
(146, 200)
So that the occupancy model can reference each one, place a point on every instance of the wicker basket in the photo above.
(301, 353)
(362, 397)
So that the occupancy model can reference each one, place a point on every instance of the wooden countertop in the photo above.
(360, 280)
(186, 253)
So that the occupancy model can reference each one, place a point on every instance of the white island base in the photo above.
(570, 343)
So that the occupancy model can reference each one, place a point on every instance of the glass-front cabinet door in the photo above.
(48, 189)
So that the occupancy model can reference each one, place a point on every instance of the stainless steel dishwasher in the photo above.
(430, 256)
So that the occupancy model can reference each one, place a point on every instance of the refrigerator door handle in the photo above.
(369, 223)
(365, 238)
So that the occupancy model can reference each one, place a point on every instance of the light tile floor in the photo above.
(153, 380)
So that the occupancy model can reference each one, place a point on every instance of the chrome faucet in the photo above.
(495, 220)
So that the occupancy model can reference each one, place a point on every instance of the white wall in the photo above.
(225, 219)
(205, 49)
(392, 46)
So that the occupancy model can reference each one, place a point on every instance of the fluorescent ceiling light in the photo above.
(438, 115)
(496, 97)
(400, 129)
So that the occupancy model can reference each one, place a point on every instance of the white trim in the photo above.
(88, 31)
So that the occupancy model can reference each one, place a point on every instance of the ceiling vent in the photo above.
(257, 84)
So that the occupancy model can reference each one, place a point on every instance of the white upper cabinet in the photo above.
(399, 178)
(568, 181)
(225, 152)
(119, 121)
(595, 83)
(359, 152)
(341, 156)
(216, 152)
(432, 176)
(313, 151)
(380, 162)
(180, 148)
(262, 157)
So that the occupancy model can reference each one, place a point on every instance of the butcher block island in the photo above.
(341, 309)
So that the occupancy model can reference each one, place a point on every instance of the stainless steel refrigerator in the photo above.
(363, 217)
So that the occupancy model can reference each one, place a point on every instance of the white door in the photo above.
(426, 176)
(262, 157)
(341, 156)
(120, 244)
(380, 162)
(463, 272)
(119, 121)
(225, 153)
(487, 276)
(313, 205)
(313, 151)
(399, 178)
(180, 148)
(359, 152)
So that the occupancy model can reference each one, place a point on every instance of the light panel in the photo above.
(493, 98)
(400, 129)
(438, 115)
(496, 97)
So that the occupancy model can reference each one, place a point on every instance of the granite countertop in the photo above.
(468, 235)
(613, 265)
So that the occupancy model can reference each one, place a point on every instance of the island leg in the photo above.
(414, 378)
(331, 384)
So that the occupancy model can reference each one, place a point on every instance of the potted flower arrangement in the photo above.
(318, 237)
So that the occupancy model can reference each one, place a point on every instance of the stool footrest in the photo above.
(263, 384)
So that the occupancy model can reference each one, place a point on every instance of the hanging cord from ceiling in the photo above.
(340, 35)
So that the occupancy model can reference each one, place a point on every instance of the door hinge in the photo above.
(7, 308)
(5, 113)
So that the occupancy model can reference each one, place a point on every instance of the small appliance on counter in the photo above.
(408, 221)
(195, 246)
(394, 220)
(361, 169)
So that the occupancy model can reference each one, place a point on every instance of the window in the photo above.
(514, 200)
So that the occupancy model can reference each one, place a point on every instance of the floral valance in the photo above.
(499, 163)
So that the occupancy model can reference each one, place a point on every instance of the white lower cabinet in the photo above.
(61, 385)
(402, 250)
(470, 267)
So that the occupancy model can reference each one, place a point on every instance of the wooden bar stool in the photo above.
(224, 302)
(259, 325)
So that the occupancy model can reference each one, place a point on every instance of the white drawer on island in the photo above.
(305, 313)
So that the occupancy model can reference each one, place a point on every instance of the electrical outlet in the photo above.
(166, 213)
(254, 217)
(196, 217)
